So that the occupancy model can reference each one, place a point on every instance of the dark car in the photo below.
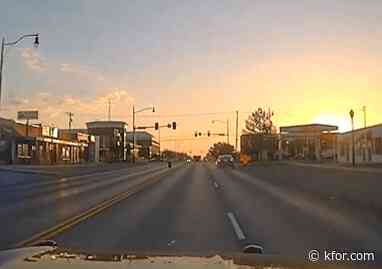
(225, 160)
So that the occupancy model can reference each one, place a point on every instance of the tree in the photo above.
(220, 148)
(260, 122)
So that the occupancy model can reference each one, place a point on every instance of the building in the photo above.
(367, 145)
(308, 141)
(37, 144)
(113, 144)
(259, 146)
(149, 147)
(82, 135)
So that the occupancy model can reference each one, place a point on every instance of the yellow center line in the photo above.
(72, 221)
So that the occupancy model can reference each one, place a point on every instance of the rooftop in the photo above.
(313, 127)
(106, 124)
(364, 128)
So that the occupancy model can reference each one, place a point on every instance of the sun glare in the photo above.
(342, 122)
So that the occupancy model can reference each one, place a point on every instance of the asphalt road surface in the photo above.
(31, 202)
(199, 208)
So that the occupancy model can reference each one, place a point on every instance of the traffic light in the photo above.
(200, 134)
(196, 134)
(208, 133)
(174, 125)
(156, 125)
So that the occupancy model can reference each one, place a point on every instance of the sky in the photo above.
(195, 61)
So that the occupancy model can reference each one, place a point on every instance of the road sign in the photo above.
(27, 115)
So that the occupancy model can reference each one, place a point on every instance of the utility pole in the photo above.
(70, 115)
(237, 128)
(109, 110)
(364, 116)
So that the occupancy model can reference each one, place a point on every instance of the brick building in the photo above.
(37, 144)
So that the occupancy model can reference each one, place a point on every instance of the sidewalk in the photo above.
(372, 168)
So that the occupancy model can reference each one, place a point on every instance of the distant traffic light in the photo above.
(156, 125)
(196, 134)
(174, 125)
(208, 133)
(200, 134)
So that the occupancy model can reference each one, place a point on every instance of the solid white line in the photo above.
(239, 232)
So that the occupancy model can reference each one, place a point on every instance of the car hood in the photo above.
(51, 257)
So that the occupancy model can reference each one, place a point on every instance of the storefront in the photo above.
(41, 146)
(309, 141)
(367, 145)
(45, 150)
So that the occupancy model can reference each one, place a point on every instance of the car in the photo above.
(225, 160)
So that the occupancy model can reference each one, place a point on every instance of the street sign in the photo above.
(27, 115)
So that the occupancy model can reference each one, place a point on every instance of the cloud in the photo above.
(33, 60)
(52, 108)
(81, 71)
(17, 101)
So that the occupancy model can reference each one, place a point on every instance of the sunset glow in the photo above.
(306, 72)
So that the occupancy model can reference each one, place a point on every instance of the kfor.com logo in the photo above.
(339, 256)
(314, 255)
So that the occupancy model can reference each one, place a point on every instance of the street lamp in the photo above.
(9, 44)
(134, 127)
(225, 122)
(351, 113)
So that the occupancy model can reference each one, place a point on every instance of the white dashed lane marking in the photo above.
(239, 232)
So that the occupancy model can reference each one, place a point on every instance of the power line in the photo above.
(186, 115)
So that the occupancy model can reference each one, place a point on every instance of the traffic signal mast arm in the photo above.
(157, 126)
(196, 134)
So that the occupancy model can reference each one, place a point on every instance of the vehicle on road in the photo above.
(225, 160)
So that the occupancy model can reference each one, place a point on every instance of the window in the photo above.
(65, 154)
(23, 151)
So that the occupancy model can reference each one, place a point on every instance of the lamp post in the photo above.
(225, 122)
(8, 44)
(134, 127)
(351, 113)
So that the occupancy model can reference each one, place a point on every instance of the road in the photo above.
(34, 201)
(288, 210)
